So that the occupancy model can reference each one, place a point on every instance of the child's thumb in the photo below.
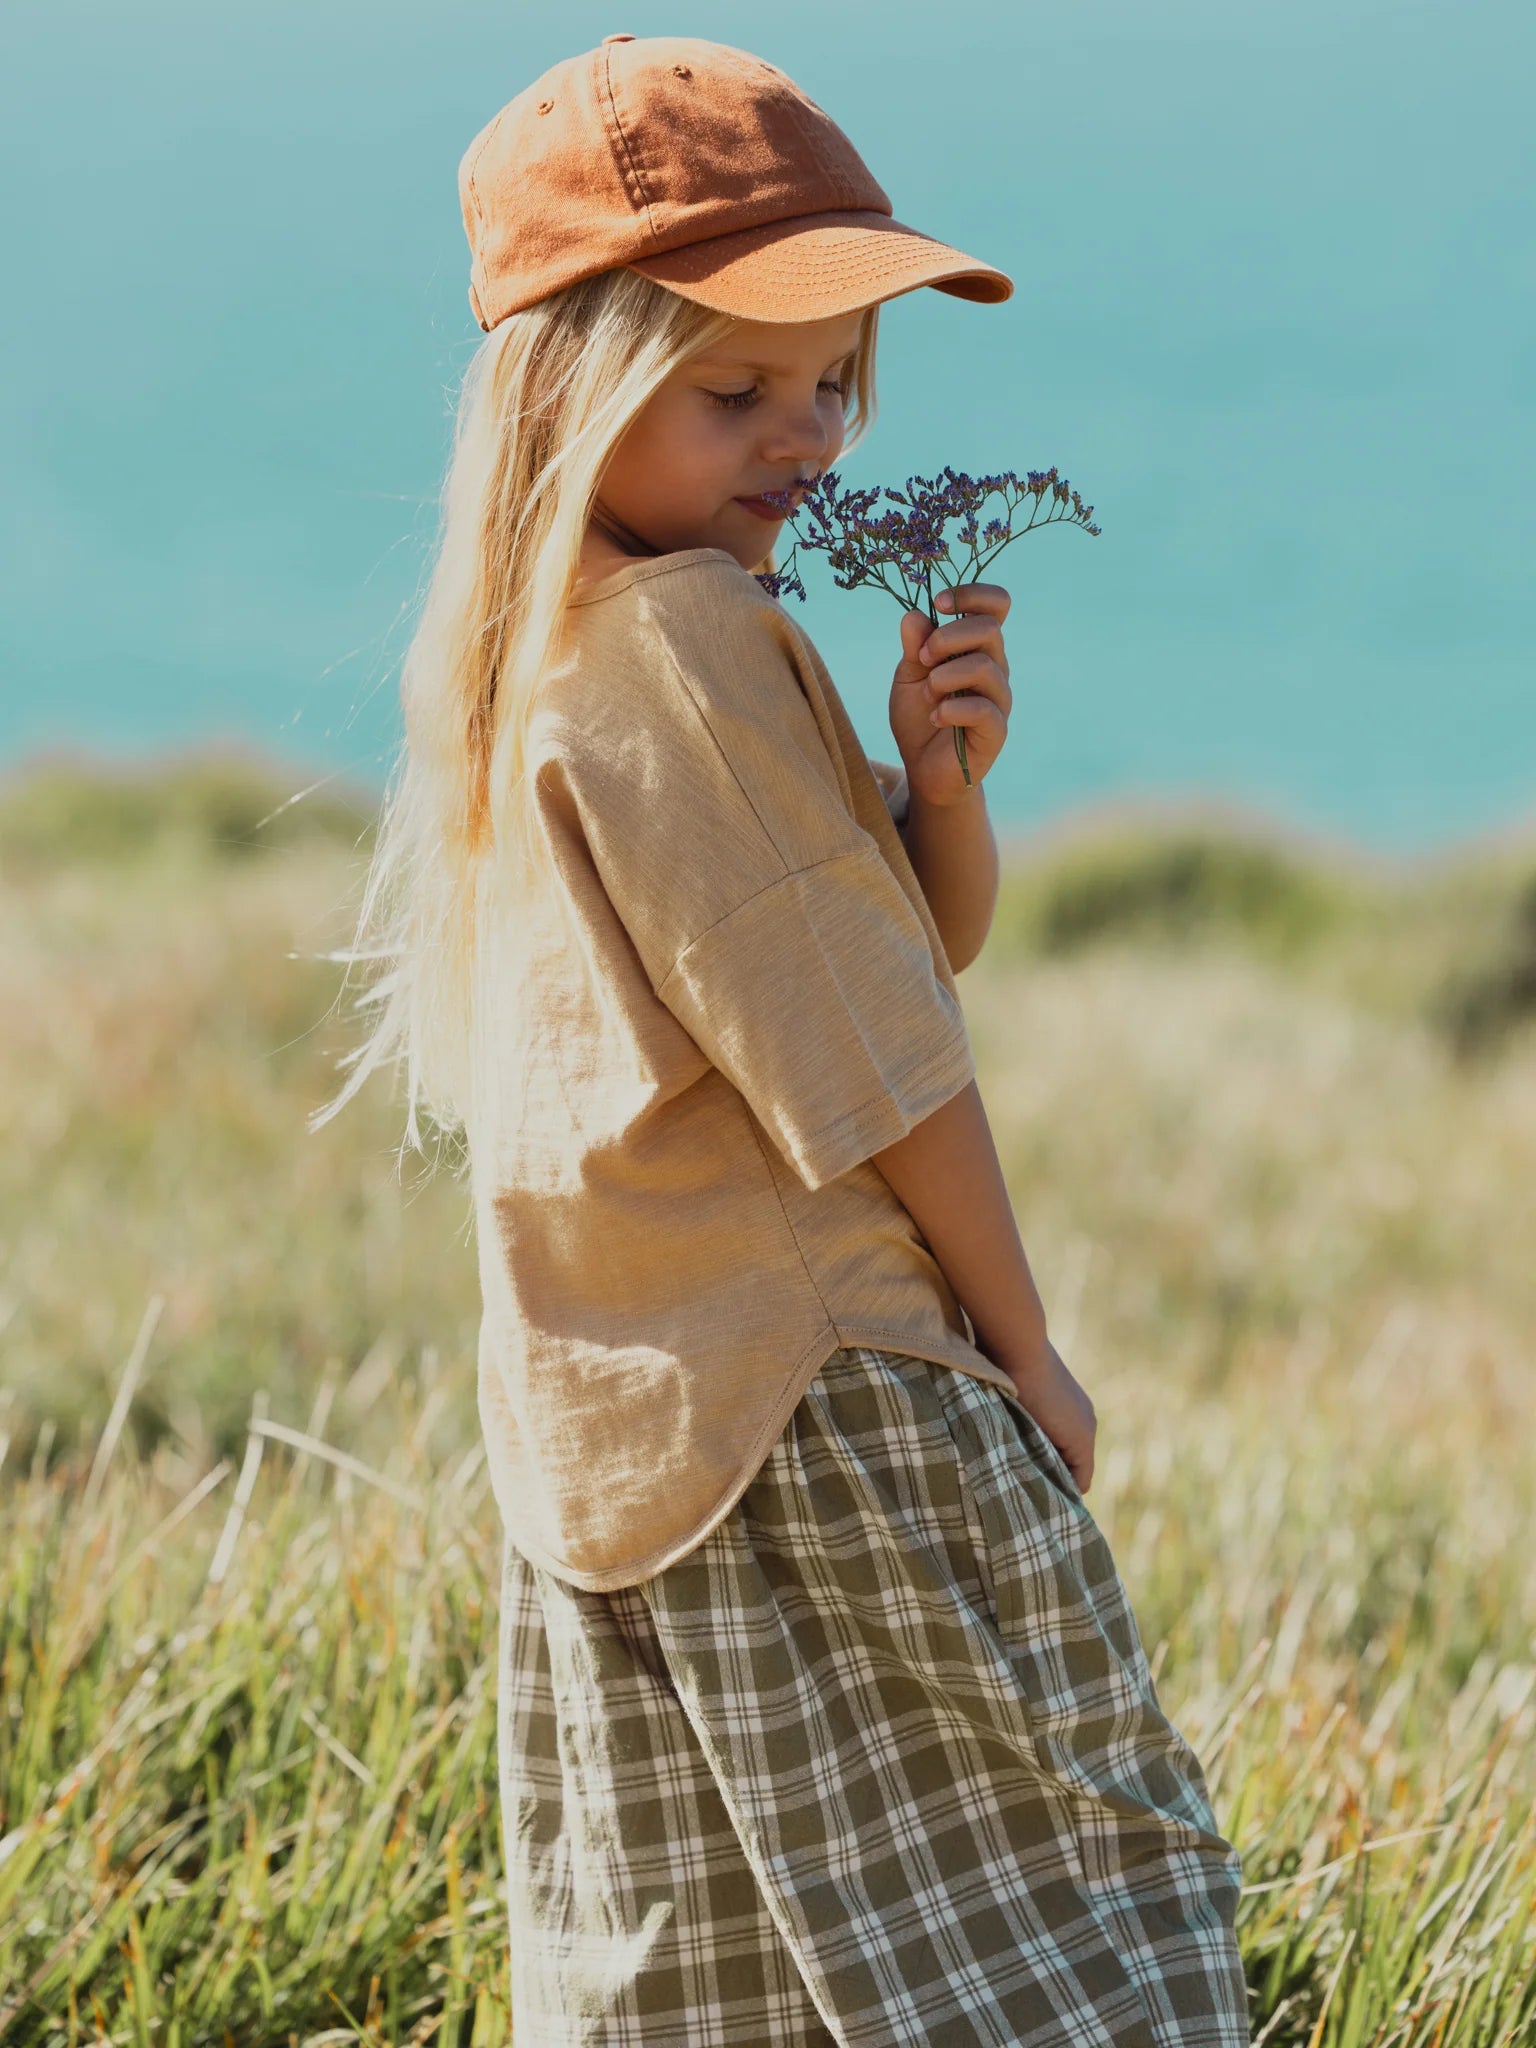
(915, 628)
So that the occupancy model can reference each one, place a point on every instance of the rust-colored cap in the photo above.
(700, 166)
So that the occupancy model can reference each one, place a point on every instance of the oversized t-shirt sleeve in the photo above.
(768, 919)
(892, 779)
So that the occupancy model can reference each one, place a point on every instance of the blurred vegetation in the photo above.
(1452, 941)
(72, 813)
(1279, 1194)
(1174, 886)
(1481, 1001)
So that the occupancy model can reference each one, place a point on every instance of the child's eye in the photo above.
(738, 400)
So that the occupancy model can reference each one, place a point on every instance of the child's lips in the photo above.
(762, 508)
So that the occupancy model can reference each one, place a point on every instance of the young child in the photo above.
(824, 1718)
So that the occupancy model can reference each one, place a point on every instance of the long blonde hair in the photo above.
(544, 400)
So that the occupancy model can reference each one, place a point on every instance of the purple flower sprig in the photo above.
(904, 552)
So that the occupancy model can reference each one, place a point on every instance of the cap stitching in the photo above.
(474, 164)
(827, 265)
(477, 255)
(638, 192)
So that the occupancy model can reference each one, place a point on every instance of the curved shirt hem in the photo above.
(961, 1357)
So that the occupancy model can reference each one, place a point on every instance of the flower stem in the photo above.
(965, 766)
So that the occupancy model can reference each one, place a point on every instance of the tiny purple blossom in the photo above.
(863, 547)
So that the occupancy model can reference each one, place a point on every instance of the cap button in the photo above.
(618, 39)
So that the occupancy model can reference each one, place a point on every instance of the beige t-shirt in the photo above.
(679, 1082)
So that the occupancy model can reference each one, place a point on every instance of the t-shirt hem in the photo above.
(954, 1352)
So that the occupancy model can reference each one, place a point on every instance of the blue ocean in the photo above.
(1273, 320)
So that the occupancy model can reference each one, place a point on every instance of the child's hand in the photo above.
(1061, 1407)
(964, 682)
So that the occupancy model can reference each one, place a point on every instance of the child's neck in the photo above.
(600, 557)
(609, 540)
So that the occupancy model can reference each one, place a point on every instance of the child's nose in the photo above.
(804, 437)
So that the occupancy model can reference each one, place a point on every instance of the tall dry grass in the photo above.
(1283, 1228)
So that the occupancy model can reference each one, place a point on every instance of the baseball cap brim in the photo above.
(815, 265)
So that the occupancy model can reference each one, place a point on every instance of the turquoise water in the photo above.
(1273, 320)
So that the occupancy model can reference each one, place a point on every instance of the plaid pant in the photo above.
(880, 1761)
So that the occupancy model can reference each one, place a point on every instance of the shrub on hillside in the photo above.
(1479, 1005)
(57, 814)
(1166, 888)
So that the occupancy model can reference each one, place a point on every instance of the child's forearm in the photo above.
(954, 857)
(947, 1174)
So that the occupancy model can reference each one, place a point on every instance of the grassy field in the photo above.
(1269, 1121)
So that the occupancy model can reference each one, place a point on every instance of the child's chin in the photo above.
(759, 566)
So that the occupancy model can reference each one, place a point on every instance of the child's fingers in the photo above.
(978, 597)
(977, 673)
(976, 634)
(976, 714)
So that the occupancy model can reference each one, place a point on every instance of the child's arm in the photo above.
(962, 681)
(956, 872)
(954, 856)
(948, 1177)
(950, 1181)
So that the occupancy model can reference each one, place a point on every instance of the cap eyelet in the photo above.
(681, 71)
(545, 105)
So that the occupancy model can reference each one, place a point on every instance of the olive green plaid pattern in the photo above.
(880, 1761)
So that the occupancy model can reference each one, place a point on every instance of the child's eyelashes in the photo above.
(738, 401)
